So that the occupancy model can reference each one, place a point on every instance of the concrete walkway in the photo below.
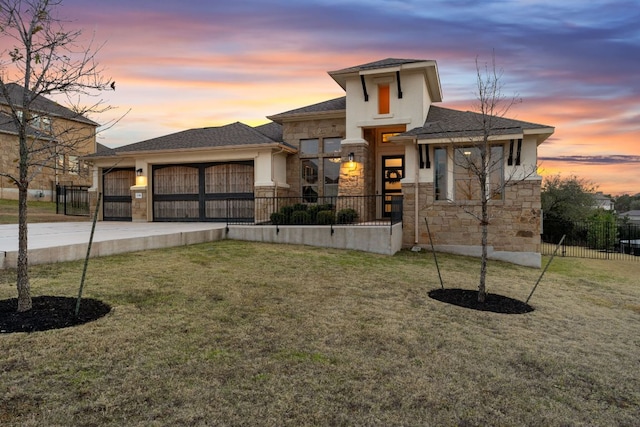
(67, 241)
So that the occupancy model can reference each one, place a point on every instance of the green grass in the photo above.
(36, 212)
(238, 333)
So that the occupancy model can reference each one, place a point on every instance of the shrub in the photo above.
(300, 218)
(278, 218)
(326, 217)
(286, 211)
(299, 207)
(602, 231)
(347, 216)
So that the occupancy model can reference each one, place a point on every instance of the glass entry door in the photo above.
(392, 173)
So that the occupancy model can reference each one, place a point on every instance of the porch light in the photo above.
(352, 163)
(141, 180)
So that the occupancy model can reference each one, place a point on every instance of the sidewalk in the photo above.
(67, 241)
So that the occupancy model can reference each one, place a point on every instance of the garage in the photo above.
(217, 191)
(116, 184)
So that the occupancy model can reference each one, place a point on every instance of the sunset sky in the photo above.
(187, 64)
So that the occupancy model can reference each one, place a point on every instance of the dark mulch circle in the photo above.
(469, 299)
(49, 312)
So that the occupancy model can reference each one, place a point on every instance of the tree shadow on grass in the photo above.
(49, 312)
(469, 299)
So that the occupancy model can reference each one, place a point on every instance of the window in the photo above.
(387, 135)
(310, 180)
(440, 173)
(331, 172)
(74, 165)
(309, 146)
(319, 158)
(383, 99)
(468, 165)
(61, 163)
(331, 145)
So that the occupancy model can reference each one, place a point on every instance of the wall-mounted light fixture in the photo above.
(352, 163)
(141, 180)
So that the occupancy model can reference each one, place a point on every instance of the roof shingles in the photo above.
(234, 134)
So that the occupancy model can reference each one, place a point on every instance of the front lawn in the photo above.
(239, 333)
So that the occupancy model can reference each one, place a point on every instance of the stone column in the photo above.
(139, 204)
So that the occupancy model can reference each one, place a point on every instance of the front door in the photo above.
(392, 173)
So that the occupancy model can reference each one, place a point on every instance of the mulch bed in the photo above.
(469, 299)
(49, 312)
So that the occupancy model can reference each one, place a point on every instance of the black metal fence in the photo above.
(592, 239)
(72, 200)
(338, 210)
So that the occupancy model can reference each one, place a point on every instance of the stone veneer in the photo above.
(293, 132)
(514, 224)
(139, 204)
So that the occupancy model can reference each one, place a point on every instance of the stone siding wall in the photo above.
(42, 186)
(293, 132)
(514, 226)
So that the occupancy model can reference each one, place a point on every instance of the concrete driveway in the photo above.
(67, 241)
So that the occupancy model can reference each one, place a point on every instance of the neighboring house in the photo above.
(603, 202)
(51, 127)
(632, 216)
(385, 137)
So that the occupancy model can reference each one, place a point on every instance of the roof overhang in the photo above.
(428, 68)
(236, 148)
(295, 117)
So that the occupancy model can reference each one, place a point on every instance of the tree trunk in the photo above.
(485, 154)
(24, 288)
(482, 290)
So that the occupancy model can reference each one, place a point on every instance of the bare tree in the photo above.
(480, 161)
(41, 58)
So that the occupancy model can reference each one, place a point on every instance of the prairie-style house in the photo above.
(385, 138)
(58, 138)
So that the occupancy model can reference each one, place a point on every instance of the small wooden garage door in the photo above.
(203, 192)
(116, 194)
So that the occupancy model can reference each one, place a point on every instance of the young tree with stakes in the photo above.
(42, 58)
(482, 162)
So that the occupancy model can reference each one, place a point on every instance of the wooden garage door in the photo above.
(203, 192)
(116, 184)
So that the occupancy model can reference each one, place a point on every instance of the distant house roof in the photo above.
(232, 135)
(445, 123)
(42, 105)
(337, 106)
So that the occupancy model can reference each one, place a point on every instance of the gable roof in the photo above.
(41, 104)
(445, 123)
(232, 135)
(272, 130)
(333, 107)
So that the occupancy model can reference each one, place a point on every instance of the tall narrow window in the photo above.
(331, 172)
(383, 99)
(440, 173)
(310, 180)
(320, 167)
